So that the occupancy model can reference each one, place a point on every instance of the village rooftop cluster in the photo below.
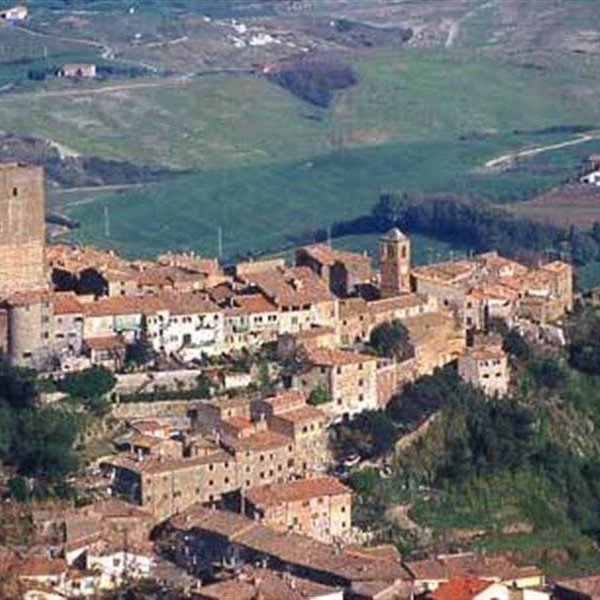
(232, 493)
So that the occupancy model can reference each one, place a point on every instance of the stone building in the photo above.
(277, 439)
(348, 377)
(301, 297)
(489, 286)
(394, 260)
(319, 507)
(22, 228)
(30, 329)
(485, 366)
(343, 272)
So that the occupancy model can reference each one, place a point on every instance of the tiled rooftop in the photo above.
(296, 491)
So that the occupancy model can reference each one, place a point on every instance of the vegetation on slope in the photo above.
(518, 473)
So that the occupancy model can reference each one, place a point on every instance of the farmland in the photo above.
(261, 208)
(267, 167)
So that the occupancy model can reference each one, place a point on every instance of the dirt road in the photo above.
(509, 157)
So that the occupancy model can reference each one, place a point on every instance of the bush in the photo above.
(318, 396)
(93, 382)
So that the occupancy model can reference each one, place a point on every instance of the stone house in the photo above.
(319, 507)
(348, 377)
(68, 324)
(485, 366)
(343, 272)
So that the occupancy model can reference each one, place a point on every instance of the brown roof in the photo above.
(251, 304)
(66, 303)
(470, 564)
(289, 547)
(28, 298)
(285, 400)
(164, 465)
(301, 415)
(40, 566)
(328, 256)
(335, 357)
(296, 491)
(463, 588)
(261, 440)
(265, 584)
(293, 286)
(109, 342)
(397, 303)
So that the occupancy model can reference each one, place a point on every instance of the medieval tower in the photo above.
(394, 259)
(22, 234)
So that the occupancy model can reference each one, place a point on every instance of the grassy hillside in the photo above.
(237, 120)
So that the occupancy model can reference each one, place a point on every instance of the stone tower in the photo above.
(394, 259)
(22, 232)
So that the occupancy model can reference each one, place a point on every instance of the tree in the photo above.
(140, 353)
(391, 340)
(318, 396)
(96, 381)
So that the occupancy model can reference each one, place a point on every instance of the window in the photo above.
(262, 475)
(339, 370)
(360, 397)
(211, 482)
(360, 382)
(15, 191)
(226, 480)
(343, 509)
(360, 366)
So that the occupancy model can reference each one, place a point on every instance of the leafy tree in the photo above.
(391, 340)
(365, 481)
(318, 396)
(140, 353)
(43, 446)
(93, 382)
(204, 386)
(370, 434)
(515, 345)
(18, 489)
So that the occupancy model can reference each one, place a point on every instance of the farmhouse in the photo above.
(78, 70)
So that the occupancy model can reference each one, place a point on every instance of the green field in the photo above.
(238, 120)
(260, 208)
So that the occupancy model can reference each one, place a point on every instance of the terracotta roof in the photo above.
(40, 566)
(465, 588)
(296, 491)
(301, 415)
(28, 298)
(66, 303)
(328, 256)
(265, 584)
(191, 262)
(251, 304)
(472, 565)
(163, 465)
(109, 342)
(335, 357)
(397, 303)
(261, 440)
(294, 286)
(285, 400)
(289, 547)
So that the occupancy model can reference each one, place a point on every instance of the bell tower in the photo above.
(394, 260)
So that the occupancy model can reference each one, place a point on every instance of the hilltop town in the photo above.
(227, 381)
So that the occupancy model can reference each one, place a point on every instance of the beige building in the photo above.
(268, 442)
(485, 366)
(318, 507)
(343, 272)
(488, 285)
(348, 377)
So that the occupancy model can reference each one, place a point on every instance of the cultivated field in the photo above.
(577, 205)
